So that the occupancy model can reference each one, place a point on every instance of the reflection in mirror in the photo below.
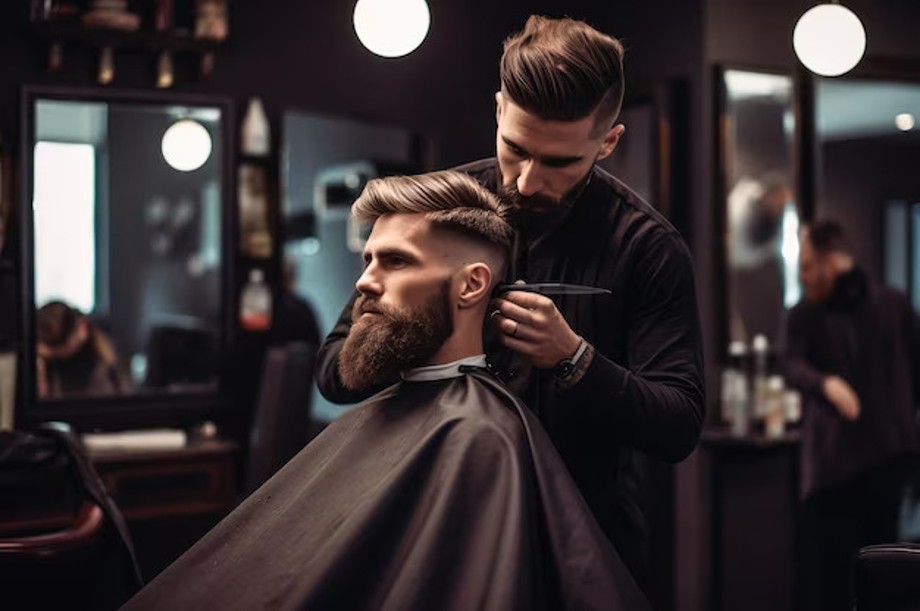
(126, 201)
(762, 217)
(868, 147)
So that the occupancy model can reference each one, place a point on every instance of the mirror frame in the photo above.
(130, 410)
(720, 187)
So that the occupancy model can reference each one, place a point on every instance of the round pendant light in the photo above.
(829, 39)
(391, 28)
(186, 145)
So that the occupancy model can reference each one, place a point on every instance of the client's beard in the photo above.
(379, 347)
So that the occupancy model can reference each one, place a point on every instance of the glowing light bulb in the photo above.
(829, 39)
(905, 121)
(391, 28)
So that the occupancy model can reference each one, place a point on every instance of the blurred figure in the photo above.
(853, 349)
(295, 320)
(762, 221)
(74, 356)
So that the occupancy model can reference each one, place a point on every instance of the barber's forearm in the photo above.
(661, 418)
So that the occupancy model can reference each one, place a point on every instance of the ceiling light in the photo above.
(829, 39)
(391, 28)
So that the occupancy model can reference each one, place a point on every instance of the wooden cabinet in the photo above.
(170, 498)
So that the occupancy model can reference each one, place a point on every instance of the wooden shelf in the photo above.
(144, 40)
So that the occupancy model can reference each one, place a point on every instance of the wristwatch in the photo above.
(566, 367)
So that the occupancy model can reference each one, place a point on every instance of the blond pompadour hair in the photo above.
(451, 201)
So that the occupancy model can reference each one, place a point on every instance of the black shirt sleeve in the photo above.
(799, 372)
(657, 403)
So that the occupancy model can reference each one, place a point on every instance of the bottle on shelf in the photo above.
(255, 237)
(735, 396)
(256, 135)
(163, 15)
(774, 407)
(256, 303)
(760, 347)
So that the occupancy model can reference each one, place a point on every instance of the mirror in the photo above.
(868, 145)
(126, 244)
(757, 133)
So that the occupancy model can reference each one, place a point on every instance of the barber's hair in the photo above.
(451, 201)
(828, 237)
(564, 70)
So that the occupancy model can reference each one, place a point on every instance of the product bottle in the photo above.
(735, 396)
(774, 407)
(256, 137)
(256, 303)
(759, 348)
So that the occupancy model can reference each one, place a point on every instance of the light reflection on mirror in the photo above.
(761, 212)
(127, 251)
(868, 147)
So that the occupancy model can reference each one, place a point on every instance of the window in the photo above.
(64, 206)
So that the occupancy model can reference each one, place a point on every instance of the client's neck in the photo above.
(465, 341)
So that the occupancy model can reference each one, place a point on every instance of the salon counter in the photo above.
(754, 488)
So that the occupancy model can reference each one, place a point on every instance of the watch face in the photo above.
(565, 368)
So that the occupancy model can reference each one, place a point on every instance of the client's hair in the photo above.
(451, 201)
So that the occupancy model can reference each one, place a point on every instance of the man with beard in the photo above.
(609, 377)
(441, 491)
(853, 349)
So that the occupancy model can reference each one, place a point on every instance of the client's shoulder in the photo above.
(484, 410)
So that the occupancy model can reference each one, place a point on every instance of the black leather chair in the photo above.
(283, 423)
(181, 355)
(887, 577)
(63, 542)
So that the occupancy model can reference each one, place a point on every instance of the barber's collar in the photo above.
(443, 372)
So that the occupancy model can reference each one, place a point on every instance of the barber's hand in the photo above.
(842, 396)
(530, 324)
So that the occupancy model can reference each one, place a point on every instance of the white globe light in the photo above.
(186, 145)
(391, 28)
(829, 39)
(905, 121)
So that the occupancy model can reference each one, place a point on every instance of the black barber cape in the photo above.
(439, 495)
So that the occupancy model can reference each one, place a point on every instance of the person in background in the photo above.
(441, 491)
(74, 356)
(609, 376)
(853, 350)
(295, 320)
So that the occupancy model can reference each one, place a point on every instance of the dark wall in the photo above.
(858, 178)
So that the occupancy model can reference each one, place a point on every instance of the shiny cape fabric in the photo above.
(440, 495)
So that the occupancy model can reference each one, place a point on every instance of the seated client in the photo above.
(439, 492)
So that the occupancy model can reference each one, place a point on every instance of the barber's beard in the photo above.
(536, 214)
(380, 346)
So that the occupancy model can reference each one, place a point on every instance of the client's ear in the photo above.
(476, 281)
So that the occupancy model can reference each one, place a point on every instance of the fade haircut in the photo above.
(450, 201)
(564, 70)
(828, 237)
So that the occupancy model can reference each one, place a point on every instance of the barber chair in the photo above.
(282, 425)
(887, 577)
(63, 544)
(181, 354)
